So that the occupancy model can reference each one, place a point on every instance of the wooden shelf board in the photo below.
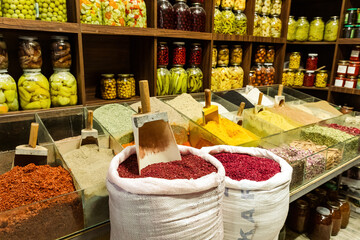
(312, 88)
(227, 37)
(349, 41)
(353, 91)
(168, 33)
(311, 43)
(37, 25)
(267, 40)
(116, 30)
(4, 115)
(98, 101)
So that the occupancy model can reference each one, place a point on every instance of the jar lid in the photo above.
(343, 61)
(109, 75)
(227, 8)
(252, 71)
(235, 65)
(62, 69)
(268, 64)
(310, 71)
(302, 204)
(29, 38)
(341, 75)
(333, 205)
(162, 66)
(313, 54)
(196, 44)
(179, 43)
(35, 70)
(317, 17)
(323, 211)
(275, 15)
(59, 37)
(222, 65)
(163, 43)
(350, 26)
(236, 46)
(224, 46)
(323, 71)
(296, 52)
(291, 16)
(352, 77)
(237, 11)
(196, 4)
(126, 75)
(261, 46)
(131, 75)
(352, 9)
(302, 17)
(180, 1)
(3, 70)
(291, 70)
(336, 17)
(178, 65)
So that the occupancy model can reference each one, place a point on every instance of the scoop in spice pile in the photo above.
(89, 135)
(210, 112)
(280, 99)
(258, 107)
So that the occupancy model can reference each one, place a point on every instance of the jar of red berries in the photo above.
(163, 54)
(198, 16)
(183, 19)
(312, 61)
(179, 53)
(165, 15)
(195, 54)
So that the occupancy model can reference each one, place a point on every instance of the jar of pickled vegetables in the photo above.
(276, 7)
(275, 26)
(260, 54)
(165, 15)
(30, 53)
(195, 54)
(312, 61)
(260, 74)
(266, 8)
(265, 26)
(227, 3)
(61, 52)
(270, 55)
(183, 19)
(198, 16)
(236, 55)
(108, 86)
(321, 79)
(299, 78)
(236, 76)
(355, 53)
(295, 59)
(214, 56)
(136, 13)
(322, 224)
(123, 86)
(163, 54)
(228, 21)
(113, 12)
(163, 81)
(63, 88)
(351, 16)
(257, 25)
(90, 12)
(34, 90)
(223, 55)
(252, 78)
(342, 67)
(291, 34)
(217, 3)
(239, 5)
(258, 6)
(269, 74)
(290, 78)
(220, 80)
(316, 32)
(195, 79)
(284, 77)
(214, 79)
(240, 23)
(353, 68)
(8, 93)
(178, 53)
(302, 29)
(178, 80)
(331, 29)
(4, 58)
(217, 20)
(309, 78)
(133, 84)
(19, 9)
(350, 82)
(340, 81)
(51, 10)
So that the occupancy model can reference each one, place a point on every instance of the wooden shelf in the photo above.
(228, 37)
(312, 88)
(166, 33)
(353, 91)
(311, 43)
(98, 101)
(349, 41)
(267, 40)
(14, 113)
(116, 30)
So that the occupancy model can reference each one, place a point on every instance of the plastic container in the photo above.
(195, 79)
(123, 86)
(113, 12)
(183, 19)
(295, 59)
(239, 5)
(299, 78)
(223, 55)
(345, 212)
(321, 79)
(265, 26)
(15, 9)
(351, 82)
(163, 81)
(178, 80)
(163, 54)
(165, 15)
(351, 16)
(227, 3)
(312, 61)
(309, 78)
(4, 58)
(236, 55)
(260, 54)
(30, 53)
(353, 69)
(108, 86)
(302, 29)
(133, 84)
(342, 67)
(8, 93)
(355, 53)
(340, 81)
(228, 21)
(276, 7)
(317, 28)
(240, 23)
(136, 15)
(214, 56)
(63, 88)
(276, 25)
(348, 31)
(270, 55)
(198, 16)
(61, 52)
(331, 29)
(269, 74)
(291, 34)
(217, 21)
(195, 54)
(178, 53)
(90, 12)
(299, 215)
(334, 208)
(322, 224)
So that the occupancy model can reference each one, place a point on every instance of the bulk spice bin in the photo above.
(54, 213)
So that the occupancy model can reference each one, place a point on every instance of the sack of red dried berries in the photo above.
(176, 200)
(256, 200)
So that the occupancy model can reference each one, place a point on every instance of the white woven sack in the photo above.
(255, 210)
(156, 209)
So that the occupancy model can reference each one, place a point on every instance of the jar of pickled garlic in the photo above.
(257, 25)
(133, 84)
(351, 82)
(179, 53)
(214, 56)
(275, 26)
(321, 78)
(223, 55)
(123, 85)
(265, 26)
(342, 67)
(198, 16)
(355, 53)
(269, 74)
(295, 59)
(316, 32)
(163, 54)
(276, 7)
(236, 55)
(217, 20)
(260, 54)
(290, 77)
(291, 34)
(239, 5)
(240, 23)
(195, 54)
(252, 77)
(312, 61)
(227, 3)
(228, 21)
(331, 29)
(302, 29)
(299, 78)
(165, 15)
(340, 81)
(270, 55)
(353, 69)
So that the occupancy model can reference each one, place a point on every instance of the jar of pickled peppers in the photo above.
(260, 54)
(351, 82)
(162, 54)
(195, 54)
(342, 67)
(108, 86)
(340, 80)
(123, 84)
(353, 69)
(179, 53)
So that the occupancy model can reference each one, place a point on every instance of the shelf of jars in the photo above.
(345, 90)
(311, 43)
(116, 30)
(169, 33)
(311, 88)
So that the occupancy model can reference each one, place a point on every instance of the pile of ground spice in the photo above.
(189, 167)
(241, 166)
(25, 185)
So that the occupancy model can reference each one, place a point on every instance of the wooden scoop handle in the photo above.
(34, 130)
(280, 91)
(145, 96)
(320, 68)
(90, 119)
(207, 98)
(260, 98)
(241, 109)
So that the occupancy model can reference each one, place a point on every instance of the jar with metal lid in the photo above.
(321, 193)
(334, 208)
(351, 82)
(322, 224)
(8, 93)
(290, 77)
(259, 74)
(312, 61)
(276, 25)
(321, 78)
(198, 16)
(133, 84)
(162, 81)
(291, 34)
(353, 69)
(317, 27)
(227, 3)
(63, 88)
(295, 59)
(252, 78)
(302, 30)
(284, 77)
(163, 54)
(123, 85)
(4, 58)
(345, 211)
(240, 23)
(227, 21)
(61, 52)
(236, 55)
(217, 20)
(266, 7)
(30, 53)
(276, 7)
(331, 29)
(351, 16)
(340, 81)
(195, 79)
(179, 53)
(239, 5)
(178, 80)
(236, 76)
(299, 215)
(257, 25)
(214, 56)
(348, 31)
(269, 74)
(270, 55)
(182, 15)
(309, 78)
(223, 55)
(165, 15)
(299, 78)
(265, 26)
(355, 53)
(342, 67)
(260, 54)
(195, 54)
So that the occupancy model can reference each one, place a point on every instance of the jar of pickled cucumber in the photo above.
(291, 34)
(270, 55)
(321, 79)
(63, 88)
(52, 11)
(162, 81)
(8, 93)
(290, 77)
(236, 76)
(223, 55)
(276, 7)
(257, 25)
(108, 86)
(217, 20)
(258, 6)
(214, 56)
(228, 21)
(295, 59)
(299, 78)
(275, 26)
(133, 84)
(265, 26)
(239, 5)
(227, 3)
(236, 55)
(123, 86)
(240, 23)
(284, 77)
(266, 8)
(302, 30)
(316, 32)
(331, 29)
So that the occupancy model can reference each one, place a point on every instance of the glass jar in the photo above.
(266, 7)
(195, 54)
(227, 21)
(252, 78)
(215, 76)
(240, 23)
(355, 54)
(214, 56)
(265, 26)
(236, 76)
(284, 77)
(108, 86)
(353, 69)
(258, 6)
(63, 88)
(322, 195)
(309, 78)
(90, 12)
(260, 74)
(123, 86)
(312, 61)
(321, 78)
(270, 55)
(276, 7)
(178, 80)
(163, 81)
(60, 52)
(340, 81)
(236, 55)
(8, 93)
(260, 54)
(222, 78)
(34, 90)
(183, 19)
(358, 83)
(197, 1)
(178, 53)
(345, 211)
(163, 54)
(165, 15)
(331, 29)
(291, 34)
(316, 32)
(334, 208)
(257, 25)
(227, 3)
(342, 67)
(136, 13)
(217, 21)
(269, 74)
(299, 216)
(133, 84)
(350, 82)
(302, 29)
(357, 31)
(217, 3)
(322, 224)
(113, 12)
(195, 79)
(13, 9)
(4, 58)
(351, 16)
(348, 31)
(198, 16)
(30, 53)
(295, 59)
(223, 55)
(276, 26)
(299, 78)
(239, 5)
(290, 77)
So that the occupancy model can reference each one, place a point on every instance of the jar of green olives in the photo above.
(123, 85)
(108, 86)
(52, 11)
(316, 32)
(19, 9)
(302, 29)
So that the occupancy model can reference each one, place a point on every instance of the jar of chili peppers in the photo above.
(165, 15)
(322, 224)
(345, 211)
(179, 53)
(299, 215)
(183, 20)
(252, 78)
(312, 61)
(353, 69)
(355, 53)
(260, 54)
(214, 56)
(309, 78)
(163, 54)
(342, 67)
(350, 82)
(198, 16)
(340, 81)
(270, 55)
(236, 55)
(260, 74)
(195, 54)
(269, 74)
(334, 208)
(223, 55)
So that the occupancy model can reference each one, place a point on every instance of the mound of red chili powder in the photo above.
(240, 166)
(189, 167)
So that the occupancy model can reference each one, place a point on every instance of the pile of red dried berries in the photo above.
(349, 130)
